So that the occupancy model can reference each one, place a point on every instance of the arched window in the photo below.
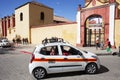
(21, 16)
(42, 16)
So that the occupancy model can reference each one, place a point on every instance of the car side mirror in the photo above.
(85, 51)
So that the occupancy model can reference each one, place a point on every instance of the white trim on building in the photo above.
(111, 23)
(78, 27)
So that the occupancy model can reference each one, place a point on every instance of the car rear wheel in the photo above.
(39, 73)
(91, 68)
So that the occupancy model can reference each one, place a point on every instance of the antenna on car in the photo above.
(52, 40)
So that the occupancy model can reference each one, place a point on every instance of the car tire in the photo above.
(91, 68)
(39, 73)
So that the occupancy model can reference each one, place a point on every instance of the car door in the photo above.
(53, 60)
(73, 61)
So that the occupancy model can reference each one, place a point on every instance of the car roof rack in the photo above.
(52, 40)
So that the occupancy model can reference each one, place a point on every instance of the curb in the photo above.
(109, 54)
(103, 54)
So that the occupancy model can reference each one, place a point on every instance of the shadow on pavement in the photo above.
(66, 74)
(6, 50)
(16, 49)
(103, 69)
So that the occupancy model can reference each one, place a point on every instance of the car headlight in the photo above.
(95, 57)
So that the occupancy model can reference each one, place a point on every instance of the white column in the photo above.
(78, 27)
(112, 23)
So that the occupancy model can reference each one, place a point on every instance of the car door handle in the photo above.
(65, 58)
(51, 61)
(42, 58)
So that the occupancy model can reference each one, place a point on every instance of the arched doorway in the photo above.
(94, 29)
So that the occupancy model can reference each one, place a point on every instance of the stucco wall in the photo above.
(22, 27)
(117, 32)
(35, 10)
(0, 28)
(68, 32)
(11, 33)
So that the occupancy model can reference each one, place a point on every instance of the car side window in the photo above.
(49, 50)
(67, 50)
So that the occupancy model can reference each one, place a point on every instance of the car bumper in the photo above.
(30, 68)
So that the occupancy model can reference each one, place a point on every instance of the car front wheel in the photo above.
(39, 73)
(91, 68)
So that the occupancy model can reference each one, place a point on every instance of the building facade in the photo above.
(35, 21)
(7, 26)
(99, 19)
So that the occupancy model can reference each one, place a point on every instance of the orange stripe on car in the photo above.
(64, 60)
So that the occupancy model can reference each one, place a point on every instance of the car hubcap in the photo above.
(39, 73)
(91, 68)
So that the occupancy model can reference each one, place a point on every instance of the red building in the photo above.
(97, 19)
(7, 23)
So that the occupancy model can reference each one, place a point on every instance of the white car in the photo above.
(5, 43)
(60, 57)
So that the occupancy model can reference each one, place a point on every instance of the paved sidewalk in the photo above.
(99, 51)
(30, 48)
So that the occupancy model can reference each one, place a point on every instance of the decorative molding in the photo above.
(87, 4)
(96, 0)
(106, 24)
(96, 7)
(117, 18)
(104, 1)
(93, 2)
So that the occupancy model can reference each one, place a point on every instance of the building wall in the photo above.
(0, 28)
(35, 14)
(67, 31)
(11, 27)
(118, 11)
(117, 32)
(117, 27)
(22, 27)
(11, 33)
(31, 16)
